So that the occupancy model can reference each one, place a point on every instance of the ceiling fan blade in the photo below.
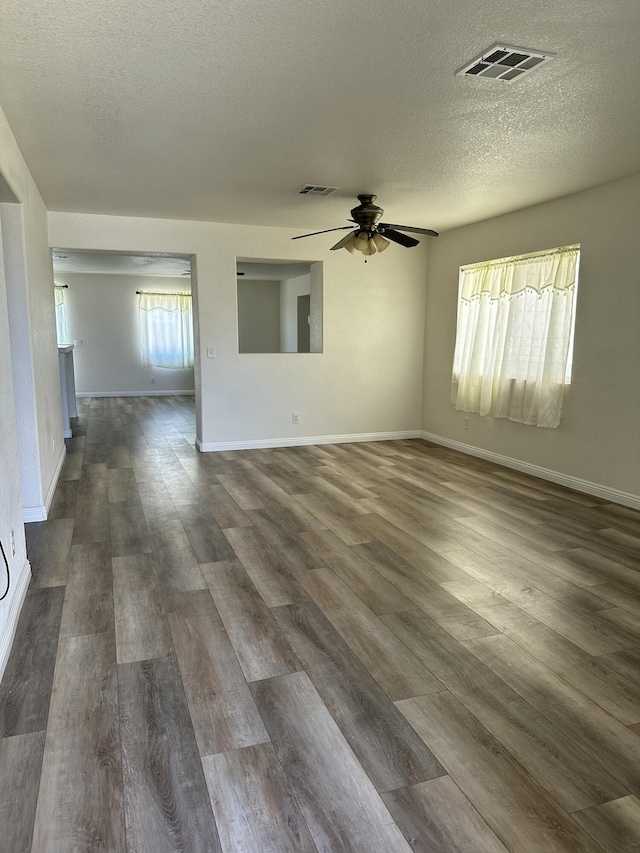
(313, 233)
(408, 228)
(343, 240)
(397, 237)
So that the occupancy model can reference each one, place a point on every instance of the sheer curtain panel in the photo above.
(166, 329)
(515, 335)
(61, 318)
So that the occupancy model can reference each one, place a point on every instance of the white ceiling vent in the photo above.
(313, 189)
(501, 62)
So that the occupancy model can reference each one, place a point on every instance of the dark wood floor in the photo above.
(366, 647)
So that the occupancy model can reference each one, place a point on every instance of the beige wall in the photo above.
(102, 312)
(10, 491)
(599, 437)
(31, 415)
(367, 380)
(29, 283)
(258, 316)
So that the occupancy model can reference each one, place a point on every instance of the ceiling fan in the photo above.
(371, 235)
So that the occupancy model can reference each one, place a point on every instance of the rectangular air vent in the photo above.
(313, 189)
(501, 62)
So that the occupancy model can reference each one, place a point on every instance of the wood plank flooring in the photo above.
(369, 647)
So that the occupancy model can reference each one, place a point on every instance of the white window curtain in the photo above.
(166, 329)
(515, 335)
(61, 317)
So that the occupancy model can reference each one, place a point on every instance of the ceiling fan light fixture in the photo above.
(361, 242)
(349, 245)
(371, 248)
(381, 243)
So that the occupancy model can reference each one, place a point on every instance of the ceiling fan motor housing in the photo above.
(367, 214)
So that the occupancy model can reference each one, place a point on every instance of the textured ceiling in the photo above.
(203, 109)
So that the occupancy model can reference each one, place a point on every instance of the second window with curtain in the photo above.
(166, 329)
(515, 335)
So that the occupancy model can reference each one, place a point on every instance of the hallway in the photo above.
(365, 647)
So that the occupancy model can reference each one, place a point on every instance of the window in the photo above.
(514, 336)
(61, 318)
(166, 329)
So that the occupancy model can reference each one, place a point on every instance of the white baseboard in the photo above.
(9, 631)
(576, 483)
(133, 393)
(301, 441)
(34, 513)
(39, 513)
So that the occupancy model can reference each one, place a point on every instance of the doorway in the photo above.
(304, 323)
(131, 320)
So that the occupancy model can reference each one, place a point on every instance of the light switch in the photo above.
(211, 352)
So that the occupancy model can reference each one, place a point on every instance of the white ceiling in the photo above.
(212, 110)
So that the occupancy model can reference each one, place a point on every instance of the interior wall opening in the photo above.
(130, 320)
(279, 306)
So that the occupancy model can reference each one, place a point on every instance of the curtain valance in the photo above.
(510, 276)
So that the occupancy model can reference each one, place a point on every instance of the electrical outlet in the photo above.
(152, 380)
(211, 352)
(53, 443)
(466, 423)
(77, 343)
(295, 417)
(12, 540)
